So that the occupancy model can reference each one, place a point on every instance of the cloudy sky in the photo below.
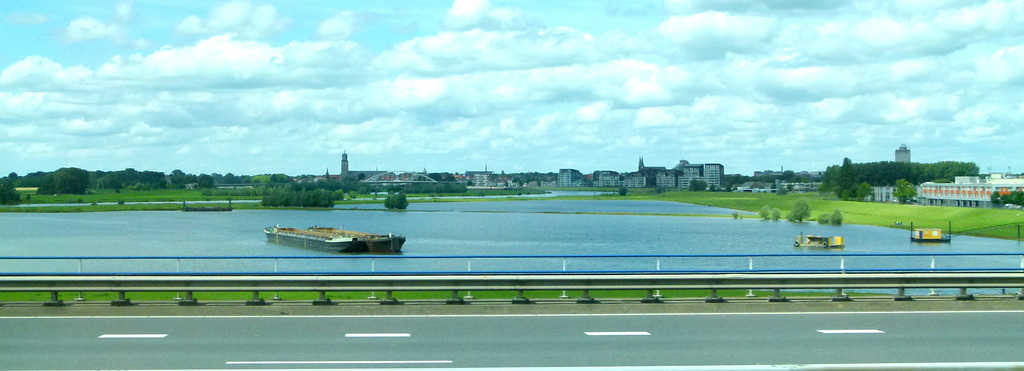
(254, 87)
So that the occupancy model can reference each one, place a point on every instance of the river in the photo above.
(525, 227)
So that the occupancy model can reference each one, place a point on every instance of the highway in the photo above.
(641, 340)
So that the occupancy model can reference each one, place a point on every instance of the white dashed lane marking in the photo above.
(133, 336)
(851, 331)
(382, 335)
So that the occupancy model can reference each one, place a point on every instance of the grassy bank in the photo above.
(864, 213)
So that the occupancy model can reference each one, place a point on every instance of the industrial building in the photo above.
(968, 191)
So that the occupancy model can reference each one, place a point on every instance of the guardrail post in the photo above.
(585, 298)
(389, 300)
(777, 297)
(455, 299)
(520, 299)
(256, 300)
(964, 295)
(121, 301)
(750, 292)
(322, 300)
(713, 297)
(933, 293)
(901, 295)
(188, 300)
(650, 298)
(54, 300)
(840, 296)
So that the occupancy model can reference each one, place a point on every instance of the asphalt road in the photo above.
(542, 336)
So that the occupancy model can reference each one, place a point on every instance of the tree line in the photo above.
(851, 181)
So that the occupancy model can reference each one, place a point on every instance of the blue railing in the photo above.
(824, 262)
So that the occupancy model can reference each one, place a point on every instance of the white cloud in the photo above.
(88, 29)
(479, 50)
(124, 12)
(653, 117)
(341, 26)
(1002, 66)
(494, 86)
(712, 34)
(42, 73)
(84, 29)
(470, 14)
(246, 19)
(26, 18)
(593, 112)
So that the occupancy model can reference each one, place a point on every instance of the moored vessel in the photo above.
(930, 234)
(833, 242)
(336, 240)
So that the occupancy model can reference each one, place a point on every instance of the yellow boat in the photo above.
(834, 242)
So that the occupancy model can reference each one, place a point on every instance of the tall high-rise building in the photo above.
(903, 154)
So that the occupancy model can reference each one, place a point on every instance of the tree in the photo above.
(697, 185)
(862, 192)
(765, 212)
(8, 194)
(904, 191)
(801, 210)
(396, 202)
(623, 191)
(205, 181)
(69, 180)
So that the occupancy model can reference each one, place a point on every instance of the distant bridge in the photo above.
(398, 178)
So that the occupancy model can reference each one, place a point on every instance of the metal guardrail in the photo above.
(824, 262)
(511, 282)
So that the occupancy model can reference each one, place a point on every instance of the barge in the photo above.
(336, 240)
(930, 234)
(833, 242)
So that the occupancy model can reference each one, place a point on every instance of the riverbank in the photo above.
(862, 213)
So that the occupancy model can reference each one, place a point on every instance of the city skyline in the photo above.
(255, 87)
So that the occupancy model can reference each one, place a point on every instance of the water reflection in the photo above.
(551, 227)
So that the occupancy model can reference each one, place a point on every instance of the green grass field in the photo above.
(863, 213)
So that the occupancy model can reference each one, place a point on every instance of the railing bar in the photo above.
(492, 256)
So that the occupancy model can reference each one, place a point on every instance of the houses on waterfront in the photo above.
(682, 175)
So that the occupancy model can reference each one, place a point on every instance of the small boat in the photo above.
(833, 242)
(336, 240)
(930, 234)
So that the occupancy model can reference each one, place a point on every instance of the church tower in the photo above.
(344, 164)
(641, 166)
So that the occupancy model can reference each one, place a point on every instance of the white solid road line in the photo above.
(336, 362)
(133, 336)
(851, 331)
(389, 335)
(621, 333)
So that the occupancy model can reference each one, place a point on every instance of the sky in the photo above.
(255, 87)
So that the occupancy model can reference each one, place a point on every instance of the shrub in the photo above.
(836, 218)
(801, 210)
(396, 201)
